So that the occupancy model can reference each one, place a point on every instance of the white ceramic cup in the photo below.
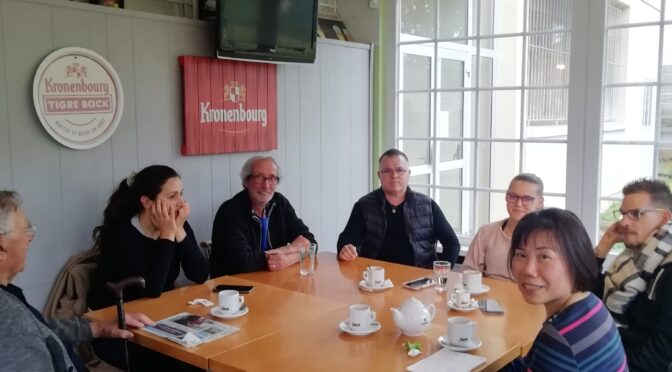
(461, 331)
(230, 301)
(471, 279)
(461, 298)
(374, 276)
(361, 317)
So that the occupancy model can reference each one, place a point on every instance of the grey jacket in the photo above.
(27, 344)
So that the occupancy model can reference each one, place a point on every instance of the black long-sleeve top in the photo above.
(236, 234)
(126, 252)
(647, 339)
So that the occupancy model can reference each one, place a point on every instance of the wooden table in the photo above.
(504, 336)
(271, 310)
(293, 321)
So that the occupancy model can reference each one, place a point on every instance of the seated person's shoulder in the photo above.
(373, 196)
(14, 313)
(663, 279)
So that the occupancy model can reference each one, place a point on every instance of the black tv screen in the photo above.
(267, 30)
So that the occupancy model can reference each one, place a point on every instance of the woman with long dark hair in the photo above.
(144, 233)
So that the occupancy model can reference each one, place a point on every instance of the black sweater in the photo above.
(126, 252)
(647, 340)
(236, 234)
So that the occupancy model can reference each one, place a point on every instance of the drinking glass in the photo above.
(307, 260)
(441, 272)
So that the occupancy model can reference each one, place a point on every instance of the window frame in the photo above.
(571, 143)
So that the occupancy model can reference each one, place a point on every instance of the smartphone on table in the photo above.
(419, 283)
(491, 306)
(239, 288)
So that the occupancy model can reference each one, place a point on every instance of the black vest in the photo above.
(418, 223)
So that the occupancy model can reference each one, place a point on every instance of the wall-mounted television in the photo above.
(267, 30)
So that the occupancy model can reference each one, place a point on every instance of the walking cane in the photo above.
(118, 289)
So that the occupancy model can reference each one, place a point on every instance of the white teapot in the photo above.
(413, 317)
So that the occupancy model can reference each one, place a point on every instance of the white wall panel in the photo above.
(329, 128)
(310, 146)
(360, 135)
(291, 182)
(120, 54)
(5, 143)
(86, 181)
(323, 128)
(35, 156)
(152, 97)
(342, 127)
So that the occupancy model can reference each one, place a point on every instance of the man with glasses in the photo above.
(258, 228)
(637, 286)
(28, 341)
(489, 249)
(395, 223)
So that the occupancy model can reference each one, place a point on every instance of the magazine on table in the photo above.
(190, 330)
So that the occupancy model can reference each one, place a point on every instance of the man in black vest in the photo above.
(395, 223)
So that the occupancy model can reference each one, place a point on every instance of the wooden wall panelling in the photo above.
(5, 143)
(360, 141)
(156, 142)
(291, 127)
(86, 175)
(35, 156)
(311, 208)
(124, 141)
(195, 170)
(343, 124)
(328, 143)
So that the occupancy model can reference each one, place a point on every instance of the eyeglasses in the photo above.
(260, 179)
(635, 214)
(391, 171)
(512, 197)
(30, 230)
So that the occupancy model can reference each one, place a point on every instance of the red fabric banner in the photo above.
(229, 106)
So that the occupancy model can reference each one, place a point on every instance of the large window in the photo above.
(483, 96)
(483, 93)
(637, 119)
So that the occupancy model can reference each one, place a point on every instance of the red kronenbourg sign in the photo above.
(229, 106)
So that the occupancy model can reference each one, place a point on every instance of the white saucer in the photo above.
(216, 311)
(484, 288)
(473, 305)
(475, 344)
(343, 325)
(387, 284)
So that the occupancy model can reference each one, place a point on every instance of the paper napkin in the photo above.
(447, 360)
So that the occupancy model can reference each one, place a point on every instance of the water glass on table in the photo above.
(307, 260)
(441, 272)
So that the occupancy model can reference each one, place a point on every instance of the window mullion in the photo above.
(585, 111)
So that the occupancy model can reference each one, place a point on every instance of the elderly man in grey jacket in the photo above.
(28, 342)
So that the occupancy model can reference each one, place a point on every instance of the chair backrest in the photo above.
(67, 298)
(207, 248)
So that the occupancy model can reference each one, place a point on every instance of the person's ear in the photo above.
(541, 202)
(145, 201)
(665, 217)
(3, 249)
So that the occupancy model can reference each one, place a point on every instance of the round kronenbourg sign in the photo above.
(78, 97)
